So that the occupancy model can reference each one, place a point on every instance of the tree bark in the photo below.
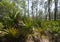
(56, 8)
(49, 9)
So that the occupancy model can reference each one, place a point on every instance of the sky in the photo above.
(52, 7)
(41, 7)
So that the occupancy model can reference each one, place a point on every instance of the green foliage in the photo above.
(51, 25)
(9, 12)
(11, 17)
(1, 26)
(12, 32)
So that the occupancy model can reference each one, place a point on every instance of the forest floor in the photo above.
(37, 38)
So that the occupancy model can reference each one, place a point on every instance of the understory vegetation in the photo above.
(15, 27)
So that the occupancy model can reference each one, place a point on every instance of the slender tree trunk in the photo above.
(55, 11)
(25, 9)
(28, 8)
(32, 10)
(36, 13)
(49, 9)
(37, 9)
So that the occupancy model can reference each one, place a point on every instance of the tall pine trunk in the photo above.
(32, 10)
(28, 8)
(49, 9)
(56, 8)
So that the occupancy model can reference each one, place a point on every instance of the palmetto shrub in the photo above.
(12, 32)
(1, 26)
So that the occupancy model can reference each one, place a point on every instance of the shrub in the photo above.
(12, 32)
(1, 26)
(53, 26)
